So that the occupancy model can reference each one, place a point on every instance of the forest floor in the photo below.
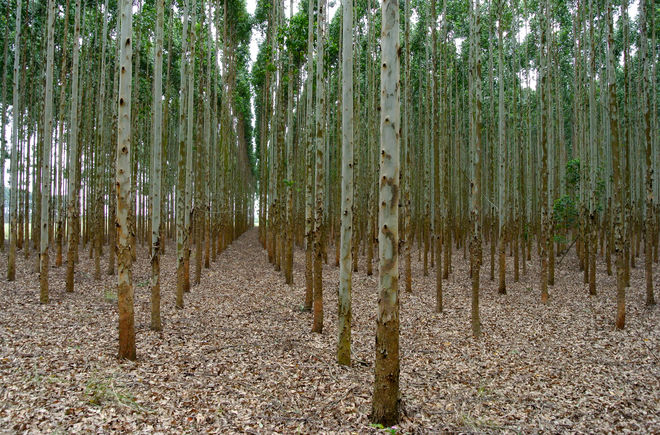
(240, 356)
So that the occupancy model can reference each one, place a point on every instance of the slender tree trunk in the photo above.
(345, 269)
(437, 224)
(545, 213)
(181, 175)
(648, 144)
(3, 142)
(13, 208)
(100, 150)
(156, 168)
(386, 397)
(45, 160)
(189, 149)
(288, 249)
(475, 182)
(123, 183)
(320, 175)
(74, 207)
(501, 144)
(617, 211)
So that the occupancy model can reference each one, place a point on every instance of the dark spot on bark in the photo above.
(121, 101)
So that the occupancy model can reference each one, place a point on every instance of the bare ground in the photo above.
(240, 356)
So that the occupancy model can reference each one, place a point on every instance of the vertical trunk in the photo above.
(475, 182)
(74, 208)
(407, 233)
(3, 144)
(501, 151)
(616, 179)
(320, 175)
(189, 149)
(345, 269)
(436, 162)
(45, 160)
(100, 150)
(648, 144)
(181, 174)
(13, 208)
(59, 227)
(545, 218)
(386, 400)
(112, 232)
(122, 186)
(288, 249)
(156, 168)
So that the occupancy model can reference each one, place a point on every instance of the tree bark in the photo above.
(122, 185)
(386, 397)
(346, 251)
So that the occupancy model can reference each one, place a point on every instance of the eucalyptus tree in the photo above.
(181, 235)
(309, 172)
(3, 142)
(73, 197)
(124, 264)
(648, 145)
(406, 144)
(435, 134)
(156, 168)
(288, 248)
(345, 264)
(320, 177)
(190, 77)
(13, 207)
(545, 212)
(475, 154)
(100, 149)
(386, 400)
(60, 207)
(46, 156)
(501, 151)
(618, 212)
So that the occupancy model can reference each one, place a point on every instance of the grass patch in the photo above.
(102, 392)
(110, 296)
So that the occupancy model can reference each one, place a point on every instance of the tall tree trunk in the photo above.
(648, 144)
(74, 207)
(100, 149)
(13, 207)
(616, 179)
(475, 182)
(3, 142)
(345, 269)
(545, 213)
(501, 151)
(181, 174)
(386, 398)
(123, 183)
(189, 150)
(288, 249)
(45, 160)
(437, 224)
(156, 168)
(320, 174)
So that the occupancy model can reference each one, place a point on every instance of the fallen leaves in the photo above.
(240, 356)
